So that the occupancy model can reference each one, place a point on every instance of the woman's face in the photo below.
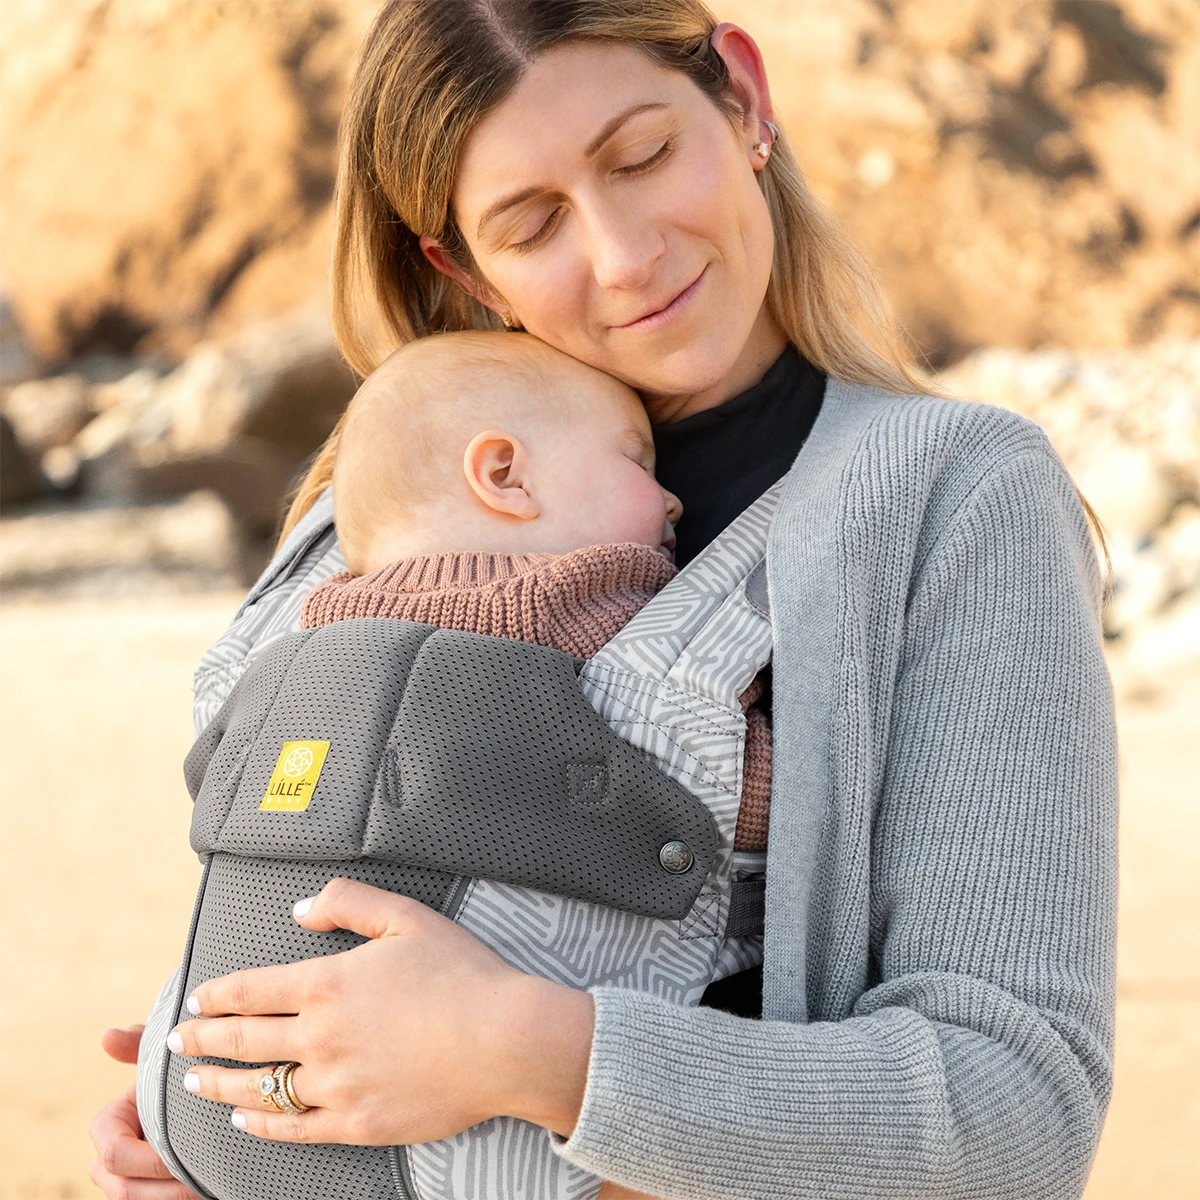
(614, 211)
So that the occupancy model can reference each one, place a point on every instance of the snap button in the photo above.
(676, 857)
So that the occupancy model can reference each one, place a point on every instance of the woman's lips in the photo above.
(657, 318)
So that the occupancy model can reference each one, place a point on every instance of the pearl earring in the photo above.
(763, 149)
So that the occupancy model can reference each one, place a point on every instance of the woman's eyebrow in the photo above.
(590, 151)
(611, 127)
(506, 202)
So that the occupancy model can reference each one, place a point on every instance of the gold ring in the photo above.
(285, 1093)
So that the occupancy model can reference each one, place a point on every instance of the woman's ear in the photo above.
(748, 76)
(496, 465)
(441, 261)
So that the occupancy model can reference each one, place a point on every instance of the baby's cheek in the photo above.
(647, 515)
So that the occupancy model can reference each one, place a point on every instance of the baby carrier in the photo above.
(577, 816)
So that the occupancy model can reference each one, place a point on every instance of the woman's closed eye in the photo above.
(651, 160)
(641, 167)
(542, 233)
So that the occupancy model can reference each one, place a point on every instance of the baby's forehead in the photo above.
(558, 385)
(449, 377)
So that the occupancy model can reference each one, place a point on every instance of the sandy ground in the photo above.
(98, 884)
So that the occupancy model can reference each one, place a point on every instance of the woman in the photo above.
(938, 978)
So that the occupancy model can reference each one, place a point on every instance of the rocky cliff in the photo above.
(1023, 172)
(165, 168)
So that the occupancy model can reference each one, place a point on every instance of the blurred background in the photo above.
(1026, 175)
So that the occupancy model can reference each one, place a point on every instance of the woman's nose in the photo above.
(624, 248)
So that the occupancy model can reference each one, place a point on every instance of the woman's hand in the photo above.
(412, 1037)
(125, 1168)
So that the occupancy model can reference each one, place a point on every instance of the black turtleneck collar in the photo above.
(719, 461)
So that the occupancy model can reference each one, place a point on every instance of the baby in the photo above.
(487, 484)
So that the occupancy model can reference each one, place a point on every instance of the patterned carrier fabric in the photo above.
(270, 611)
(669, 684)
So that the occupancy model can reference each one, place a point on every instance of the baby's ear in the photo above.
(496, 465)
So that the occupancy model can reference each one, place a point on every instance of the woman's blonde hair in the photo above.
(429, 70)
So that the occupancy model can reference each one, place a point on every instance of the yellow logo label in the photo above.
(295, 776)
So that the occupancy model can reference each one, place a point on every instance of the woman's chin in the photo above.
(689, 372)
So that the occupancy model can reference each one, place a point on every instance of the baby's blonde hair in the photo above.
(405, 431)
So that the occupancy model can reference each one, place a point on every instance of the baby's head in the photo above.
(494, 442)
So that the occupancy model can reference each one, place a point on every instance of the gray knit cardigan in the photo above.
(941, 887)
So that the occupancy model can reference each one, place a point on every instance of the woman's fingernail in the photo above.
(238, 1121)
(174, 1043)
(301, 907)
(191, 1081)
(193, 1006)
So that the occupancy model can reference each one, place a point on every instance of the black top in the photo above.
(718, 462)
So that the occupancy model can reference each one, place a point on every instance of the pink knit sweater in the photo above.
(572, 602)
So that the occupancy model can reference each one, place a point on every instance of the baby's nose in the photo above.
(674, 506)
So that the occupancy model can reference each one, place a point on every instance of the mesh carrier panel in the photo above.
(473, 755)
(343, 686)
(451, 756)
(219, 753)
(244, 920)
(499, 767)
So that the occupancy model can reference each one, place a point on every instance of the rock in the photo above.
(1129, 490)
(101, 455)
(121, 407)
(1161, 574)
(238, 417)
(1023, 174)
(1140, 591)
(1179, 544)
(48, 412)
(1150, 655)
(187, 544)
(250, 476)
(17, 361)
(283, 381)
(154, 152)
(60, 465)
(19, 478)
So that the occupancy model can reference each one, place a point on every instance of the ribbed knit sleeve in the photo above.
(958, 954)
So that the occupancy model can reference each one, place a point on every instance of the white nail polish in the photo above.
(238, 1121)
(174, 1043)
(191, 1081)
(193, 1006)
(301, 907)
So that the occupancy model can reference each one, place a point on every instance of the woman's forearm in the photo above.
(900, 1102)
(544, 1060)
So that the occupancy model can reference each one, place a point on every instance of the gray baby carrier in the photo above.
(577, 816)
